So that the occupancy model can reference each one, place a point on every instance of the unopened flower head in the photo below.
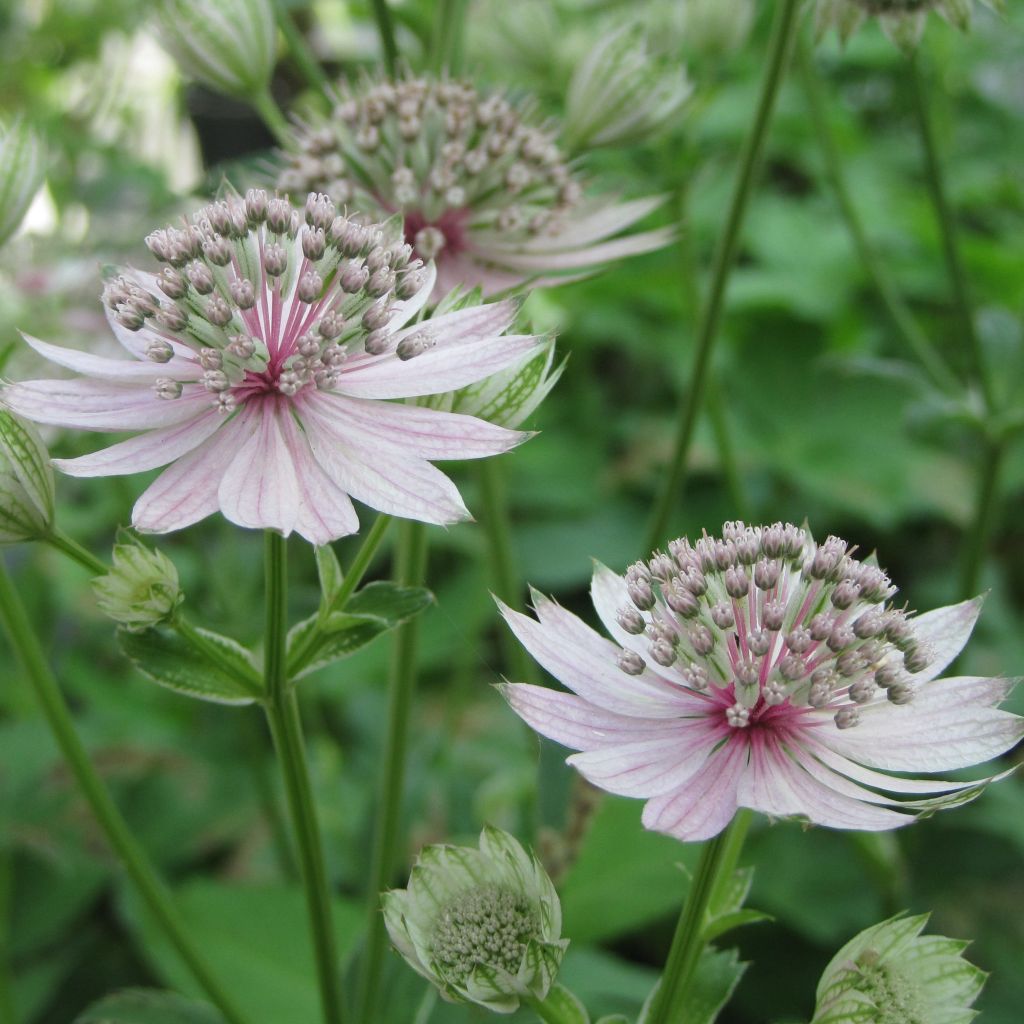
(260, 358)
(141, 589)
(26, 482)
(229, 45)
(621, 93)
(483, 925)
(22, 167)
(761, 669)
(485, 190)
(892, 974)
(902, 20)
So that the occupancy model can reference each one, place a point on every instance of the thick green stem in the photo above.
(282, 710)
(903, 319)
(948, 230)
(410, 570)
(976, 539)
(299, 50)
(386, 31)
(716, 865)
(115, 828)
(446, 46)
(783, 33)
(266, 106)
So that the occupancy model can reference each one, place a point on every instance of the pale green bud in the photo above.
(229, 45)
(22, 167)
(26, 482)
(141, 589)
(620, 93)
(715, 28)
(891, 974)
(484, 925)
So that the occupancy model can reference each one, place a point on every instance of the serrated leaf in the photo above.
(717, 975)
(734, 919)
(148, 1006)
(567, 1008)
(226, 676)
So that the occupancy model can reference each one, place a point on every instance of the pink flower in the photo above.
(485, 190)
(262, 375)
(762, 670)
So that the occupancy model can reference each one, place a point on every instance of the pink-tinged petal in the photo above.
(946, 631)
(576, 723)
(407, 309)
(136, 342)
(470, 324)
(409, 429)
(763, 787)
(406, 487)
(94, 405)
(141, 371)
(609, 594)
(147, 451)
(573, 259)
(585, 663)
(706, 803)
(186, 492)
(259, 488)
(325, 510)
(463, 271)
(439, 370)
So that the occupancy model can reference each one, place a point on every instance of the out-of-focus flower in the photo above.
(891, 972)
(484, 925)
(262, 356)
(22, 168)
(229, 45)
(141, 589)
(620, 93)
(902, 20)
(484, 191)
(26, 482)
(715, 28)
(762, 670)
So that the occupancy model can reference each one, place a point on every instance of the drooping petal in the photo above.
(573, 259)
(144, 371)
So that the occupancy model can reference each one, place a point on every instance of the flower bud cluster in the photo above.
(141, 590)
(775, 618)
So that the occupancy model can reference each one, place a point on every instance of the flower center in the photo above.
(444, 235)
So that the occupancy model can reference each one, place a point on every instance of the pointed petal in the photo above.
(90, 365)
(574, 259)
(609, 594)
(406, 310)
(946, 630)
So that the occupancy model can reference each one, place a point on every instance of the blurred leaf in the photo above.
(146, 1006)
(717, 975)
(568, 1008)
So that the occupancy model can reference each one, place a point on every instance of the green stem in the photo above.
(948, 230)
(410, 570)
(553, 1010)
(273, 117)
(899, 312)
(386, 32)
(115, 828)
(7, 1012)
(783, 33)
(446, 46)
(300, 51)
(726, 450)
(716, 865)
(70, 547)
(985, 507)
(282, 710)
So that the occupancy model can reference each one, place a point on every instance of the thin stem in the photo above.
(7, 1014)
(783, 33)
(899, 312)
(410, 569)
(446, 46)
(718, 415)
(273, 117)
(386, 32)
(299, 49)
(286, 727)
(948, 230)
(115, 828)
(70, 547)
(985, 506)
(717, 863)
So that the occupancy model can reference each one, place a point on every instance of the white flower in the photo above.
(903, 20)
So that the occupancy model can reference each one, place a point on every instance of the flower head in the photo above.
(485, 191)
(762, 670)
(483, 925)
(902, 20)
(891, 974)
(21, 174)
(261, 358)
(141, 589)
(26, 482)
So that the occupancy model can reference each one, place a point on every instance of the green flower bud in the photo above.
(891, 974)
(229, 45)
(484, 925)
(619, 93)
(141, 590)
(21, 173)
(26, 482)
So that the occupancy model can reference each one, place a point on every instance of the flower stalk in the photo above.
(273, 117)
(447, 42)
(783, 34)
(985, 507)
(299, 49)
(386, 31)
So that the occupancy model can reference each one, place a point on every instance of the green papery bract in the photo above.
(26, 482)
(22, 167)
(141, 589)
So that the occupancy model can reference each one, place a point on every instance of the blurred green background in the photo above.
(826, 416)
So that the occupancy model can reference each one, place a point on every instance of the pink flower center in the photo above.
(447, 234)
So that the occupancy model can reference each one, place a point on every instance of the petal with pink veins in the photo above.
(946, 631)
(136, 370)
(572, 259)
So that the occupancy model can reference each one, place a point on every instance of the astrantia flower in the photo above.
(762, 670)
(892, 974)
(484, 191)
(261, 355)
(141, 590)
(484, 925)
(903, 20)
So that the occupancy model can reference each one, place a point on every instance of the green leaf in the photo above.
(717, 975)
(565, 1007)
(726, 911)
(329, 571)
(170, 660)
(735, 919)
(147, 1006)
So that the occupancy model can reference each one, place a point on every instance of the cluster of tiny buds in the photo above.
(470, 151)
(237, 260)
(774, 616)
